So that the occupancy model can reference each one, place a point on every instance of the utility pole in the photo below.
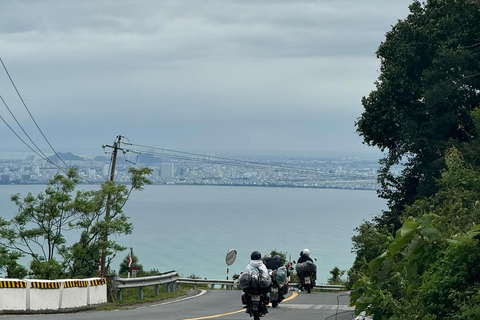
(115, 147)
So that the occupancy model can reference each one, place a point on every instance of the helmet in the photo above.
(267, 256)
(256, 255)
(306, 252)
(277, 257)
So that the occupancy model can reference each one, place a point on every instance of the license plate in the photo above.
(256, 298)
(307, 280)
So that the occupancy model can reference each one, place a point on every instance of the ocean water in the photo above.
(191, 228)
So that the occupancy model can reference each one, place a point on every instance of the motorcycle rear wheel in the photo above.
(307, 287)
(274, 303)
(256, 315)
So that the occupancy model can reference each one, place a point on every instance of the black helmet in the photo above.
(256, 255)
(277, 257)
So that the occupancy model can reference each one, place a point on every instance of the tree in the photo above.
(428, 86)
(430, 269)
(124, 269)
(83, 256)
(281, 254)
(336, 276)
(37, 230)
(9, 264)
(370, 242)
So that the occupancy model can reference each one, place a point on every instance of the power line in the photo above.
(40, 155)
(18, 123)
(204, 158)
(31, 116)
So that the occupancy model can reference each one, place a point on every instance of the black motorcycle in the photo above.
(256, 300)
(279, 286)
(307, 280)
(256, 295)
(307, 274)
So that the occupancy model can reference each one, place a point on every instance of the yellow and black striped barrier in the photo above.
(98, 282)
(45, 285)
(75, 283)
(13, 284)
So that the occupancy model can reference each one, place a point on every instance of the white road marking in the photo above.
(315, 306)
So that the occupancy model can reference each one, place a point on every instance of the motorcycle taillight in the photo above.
(255, 291)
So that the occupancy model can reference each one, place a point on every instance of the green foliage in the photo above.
(281, 254)
(130, 297)
(370, 242)
(419, 260)
(38, 229)
(451, 286)
(423, 99)
(9, 264)
(83, 256)
(47, 269)
(430, 269)
(124, 269)
(336, 276)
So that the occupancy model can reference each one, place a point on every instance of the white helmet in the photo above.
(306, 252)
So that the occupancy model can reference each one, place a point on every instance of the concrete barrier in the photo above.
(53, 295)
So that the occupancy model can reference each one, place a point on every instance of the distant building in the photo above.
(5, 178)
(106, 170)
(167, 170)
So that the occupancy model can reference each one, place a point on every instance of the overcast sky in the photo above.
(202, 76)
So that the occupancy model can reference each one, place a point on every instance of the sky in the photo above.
(261, 76)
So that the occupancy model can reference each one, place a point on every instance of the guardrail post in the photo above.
(156, 289)
(119, 294)
(140, 293)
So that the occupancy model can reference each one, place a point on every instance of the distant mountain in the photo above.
(101, 159)
(148, 159)
(66, 157)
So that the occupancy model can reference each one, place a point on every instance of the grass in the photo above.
(131, 299)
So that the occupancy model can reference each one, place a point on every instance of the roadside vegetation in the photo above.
(39, 228)
(420, 259)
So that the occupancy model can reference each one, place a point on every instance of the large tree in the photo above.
(428, 85)
(39, 228)
(83, 256)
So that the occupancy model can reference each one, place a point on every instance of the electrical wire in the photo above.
(203, 158)
(18, 123)
(31, 116)
(40, 155)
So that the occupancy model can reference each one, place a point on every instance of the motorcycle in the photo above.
(256, 295)
(279, 286)
(256, 300)
(307, 274)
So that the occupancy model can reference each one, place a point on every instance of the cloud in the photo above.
(189, 71)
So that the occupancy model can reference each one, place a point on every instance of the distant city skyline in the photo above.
(304, 172)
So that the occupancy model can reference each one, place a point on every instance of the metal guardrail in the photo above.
(229, 284)
(167, 278)
(172, 280)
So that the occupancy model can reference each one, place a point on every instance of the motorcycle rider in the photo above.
(255, 263)
(305, 256)
(274, 264)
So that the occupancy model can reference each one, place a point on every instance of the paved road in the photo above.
(214, 304)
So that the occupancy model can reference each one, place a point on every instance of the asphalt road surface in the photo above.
(217, 304)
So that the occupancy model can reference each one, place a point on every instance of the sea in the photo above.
(190, 229)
